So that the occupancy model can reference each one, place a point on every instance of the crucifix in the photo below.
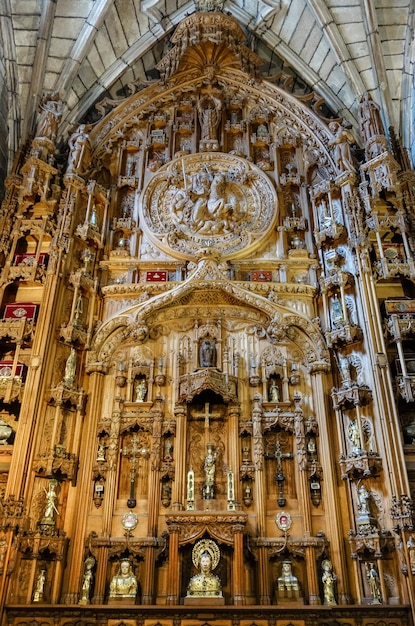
(209, 466)
(134, 452)
(279, 476)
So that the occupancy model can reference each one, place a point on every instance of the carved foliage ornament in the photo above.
(208, 200)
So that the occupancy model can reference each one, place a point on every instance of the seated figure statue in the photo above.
(205, 556)
(124, 583)
(287, 584)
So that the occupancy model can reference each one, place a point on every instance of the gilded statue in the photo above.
(50, 113)
(87, 581)
(209, 108)
(79, 150)
(328, 579)
(124, 583)
(287, 584)
(205, 557)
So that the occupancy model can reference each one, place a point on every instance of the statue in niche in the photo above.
(354, 436)
(369, 118)
(140, 390)
(411, 551)
(40, 586)
(50, 508)
(209, 109)
(287, 584)
(205, 557)
(124, 583)
(273, 392)
(207, 353)
(336, 311)
(363, 501)
(70, 369)
(50, 113)
(341, 146)
(210, 470)
(329, 579)
(87, 581)
(374, 583)
(80, 150)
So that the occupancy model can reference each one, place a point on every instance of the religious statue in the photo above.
(80, 150)
(328, 579)
(410, 544)
(354, 436)
(70, 369)
(205, 557)
(141, 390)
(50, 113)
(287, 583)
(87, 581)
(336, 311)
(374, 584)
(50, 508)
(273, 393)
(369, 118)
(124, 583)
(341, 145)
(344, 367)
(209, 109)
(207, 353)
(40, 586)
(363, 500)
(210, 469)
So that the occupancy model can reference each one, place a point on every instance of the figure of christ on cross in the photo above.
(209, 466)
(134, 452)
(279, 476)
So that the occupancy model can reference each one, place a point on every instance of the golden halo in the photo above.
(209, 546)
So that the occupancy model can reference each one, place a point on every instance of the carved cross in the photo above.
(279, 476)
(133, 452)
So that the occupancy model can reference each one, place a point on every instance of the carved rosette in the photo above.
(208, 200)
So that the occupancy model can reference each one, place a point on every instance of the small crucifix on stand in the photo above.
(134, 452)
(279, 476)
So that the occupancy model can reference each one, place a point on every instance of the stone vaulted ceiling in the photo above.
(90, 49)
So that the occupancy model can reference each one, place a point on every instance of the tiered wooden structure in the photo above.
(213, 265)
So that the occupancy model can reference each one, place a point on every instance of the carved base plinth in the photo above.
(362, 464)
(348, 397)
(121, 601)
(343, 335)
(204, 601)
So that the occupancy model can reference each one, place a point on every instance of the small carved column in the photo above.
(148, 583)
(180, 469)
(259, 488)
(317, 371)
(234, 450)
(101, 575)
(238, 566)
(173, 578)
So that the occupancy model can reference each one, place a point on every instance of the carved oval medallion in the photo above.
(208, 200)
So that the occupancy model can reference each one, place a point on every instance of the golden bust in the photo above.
(124, 583)
(205, 556)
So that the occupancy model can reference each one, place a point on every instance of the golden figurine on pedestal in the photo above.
(205, 556)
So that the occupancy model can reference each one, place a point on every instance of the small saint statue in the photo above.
(124, 583)
(87, 581)
(374, 584)
(207, 353)
(210, 469)
(70, 369)
(50, 508)
(205, 557)
(411, 551)
(273, 393)
(141, 390)
(328, 579)
(354, 436)
(287, 584)
(40, 586)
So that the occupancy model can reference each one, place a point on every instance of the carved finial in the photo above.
(209, 6)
